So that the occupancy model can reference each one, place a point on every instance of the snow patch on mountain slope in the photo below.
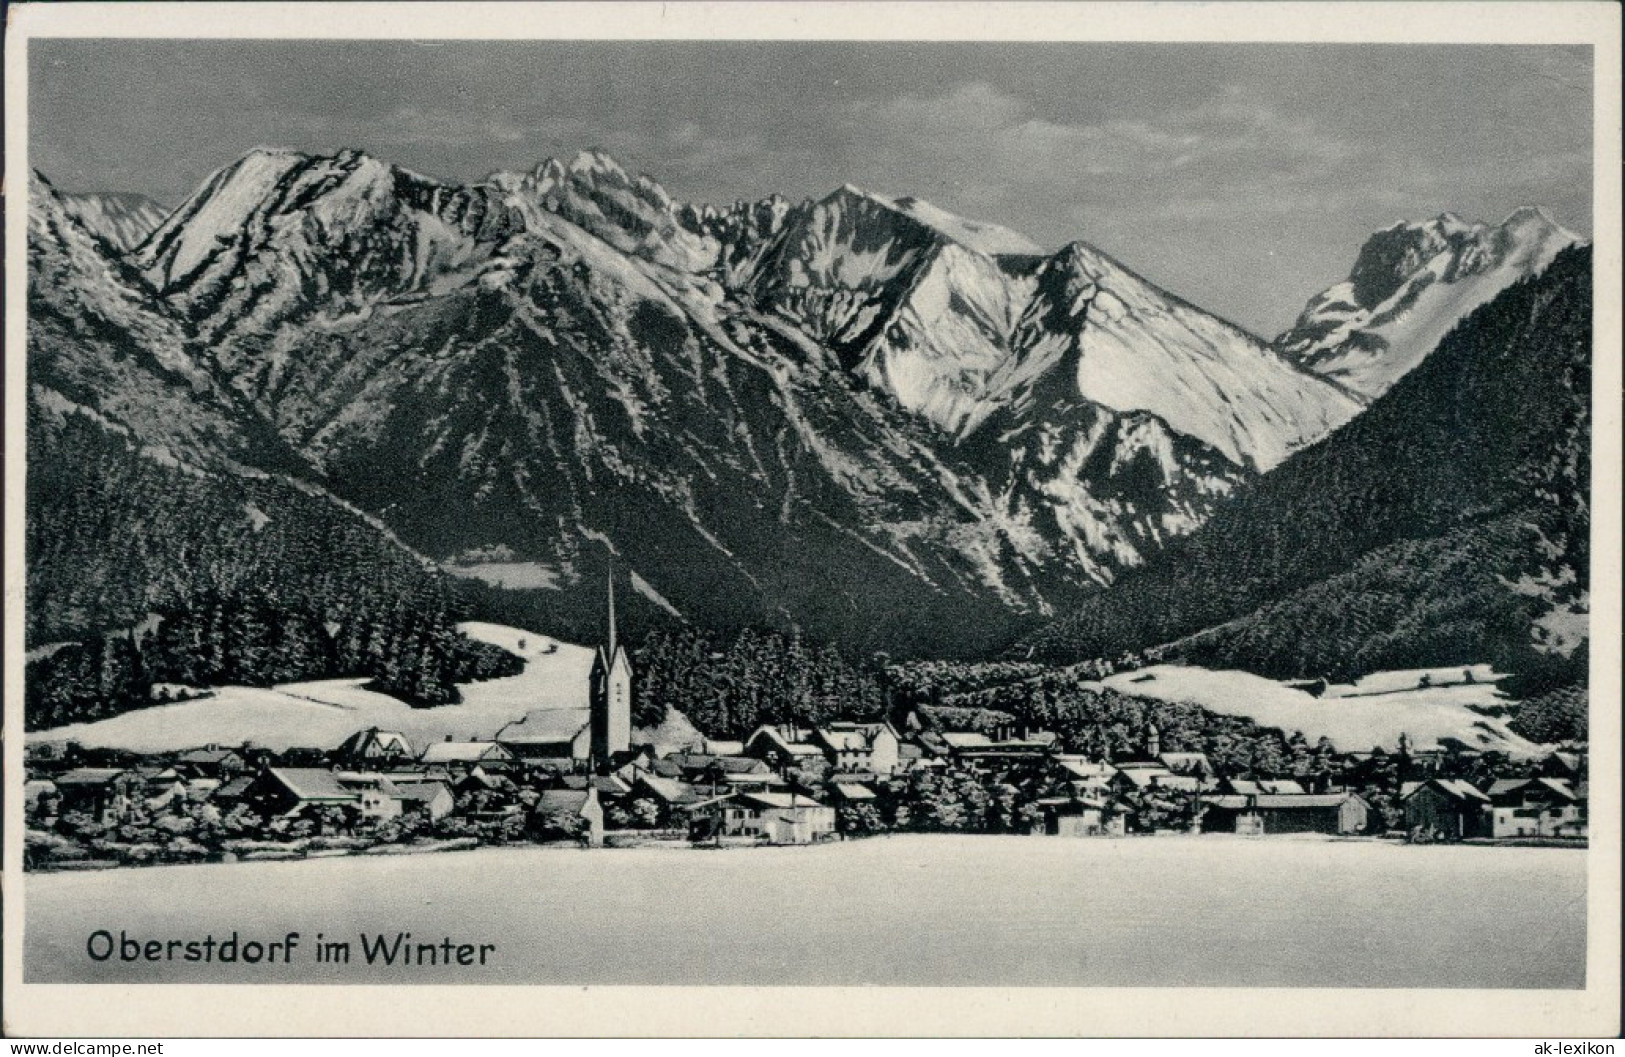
(124, 220)
(214, 214)
(981, 237)
(1144, 350)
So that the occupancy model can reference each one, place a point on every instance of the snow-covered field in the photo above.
(910, 910)
(323, 713)
(1371, 712)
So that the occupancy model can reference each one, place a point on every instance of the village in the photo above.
(576, 776)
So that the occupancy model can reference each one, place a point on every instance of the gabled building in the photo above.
(211, 761)
(1259, 787)
(432, 796)
(1082, 774)
(843, 790)
(569, 814)
(782, 746)
(554, 738)
(284, 790)
(1449, 807)
(373, 748)
(227, 795)
(1137, 775)
(976, 748)
(669, 793)
(103, 793)
(1535, 807)
(479, 780)
(1078, 816)
(1260, 814)
(466, 755)
(1189, 763)
(1568, 765)
(776, 818)
(700, 767)
(871, 747)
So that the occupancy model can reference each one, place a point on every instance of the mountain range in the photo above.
(859, 414)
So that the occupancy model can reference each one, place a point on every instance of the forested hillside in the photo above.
(167, 538)
(1437, 528)
(143, 573)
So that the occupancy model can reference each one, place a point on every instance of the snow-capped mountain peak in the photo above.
(1411, 283)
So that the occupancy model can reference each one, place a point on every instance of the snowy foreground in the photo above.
(905, 910)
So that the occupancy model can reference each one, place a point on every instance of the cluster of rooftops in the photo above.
(800, 770)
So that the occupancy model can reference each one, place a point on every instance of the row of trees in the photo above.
(257, 640)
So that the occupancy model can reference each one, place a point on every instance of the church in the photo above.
(573, 738)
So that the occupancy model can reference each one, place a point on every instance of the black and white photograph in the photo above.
(828, 511)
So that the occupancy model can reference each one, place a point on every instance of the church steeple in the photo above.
(612, 645)
(611, 689)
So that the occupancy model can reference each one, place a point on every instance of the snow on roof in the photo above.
(1456, 788)
(206, 755)
(89, 776)
(778, 800)
(313, 783)
(464, 752)
(795, 744)
(562, 802)
(667, 789)
(844, 740)
(1292, 800)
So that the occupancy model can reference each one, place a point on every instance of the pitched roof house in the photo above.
(433, 796)
(562, 734)
(782, 746)
(569, 814)
(1450, 807)
(869, 747)
(211, 762)
(281, 790)
(373, 748)
(777, 818)
(1536, 807)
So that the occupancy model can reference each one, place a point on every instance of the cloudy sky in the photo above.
(1242, 177)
